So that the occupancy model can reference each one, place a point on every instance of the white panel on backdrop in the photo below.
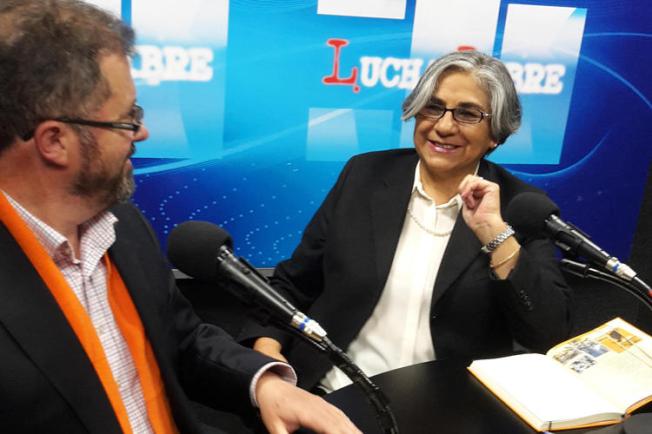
(539, 31)
(114, 6)
(331, 132)
(180, 74)
(393, 9)
(442, 26)
(183, 22)
(336, 134)
(541, 47)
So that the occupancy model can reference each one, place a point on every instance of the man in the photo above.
(94, 335)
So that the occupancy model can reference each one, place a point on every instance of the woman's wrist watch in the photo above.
(500, 238)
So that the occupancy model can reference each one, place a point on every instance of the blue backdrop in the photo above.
(254, 107)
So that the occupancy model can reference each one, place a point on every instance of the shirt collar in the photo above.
(97, 232)
(418, 189)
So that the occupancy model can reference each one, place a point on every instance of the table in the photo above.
(439, 397)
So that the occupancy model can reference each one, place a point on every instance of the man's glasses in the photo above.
(137, 114)
(465, 115)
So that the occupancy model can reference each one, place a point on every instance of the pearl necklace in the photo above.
(426, 229)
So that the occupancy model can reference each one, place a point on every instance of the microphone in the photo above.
(203, 250)
(534, 213)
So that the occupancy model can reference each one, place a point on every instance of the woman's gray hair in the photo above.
(493, 77)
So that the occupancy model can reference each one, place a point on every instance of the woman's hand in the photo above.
(481, 210)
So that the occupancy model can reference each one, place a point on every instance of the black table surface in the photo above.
(439, 397)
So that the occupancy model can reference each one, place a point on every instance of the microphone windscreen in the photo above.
(193, 247)
(528, 212)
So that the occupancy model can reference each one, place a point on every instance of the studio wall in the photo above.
(254, 106)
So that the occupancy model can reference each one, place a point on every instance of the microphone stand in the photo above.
(569, 238)
(586, 271)
(302, 326)
(311, 332)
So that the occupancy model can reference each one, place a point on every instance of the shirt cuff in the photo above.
(283, 370)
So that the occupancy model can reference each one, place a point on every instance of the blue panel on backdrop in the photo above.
(255, 106)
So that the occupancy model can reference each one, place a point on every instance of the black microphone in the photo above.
(534, 213)
(203, 250)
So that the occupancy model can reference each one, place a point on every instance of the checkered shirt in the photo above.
(87, 276)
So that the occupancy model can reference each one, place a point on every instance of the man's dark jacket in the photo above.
(48, 384)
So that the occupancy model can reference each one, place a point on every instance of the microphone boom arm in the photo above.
(202, 250)
(586, 271)
(311, 332)
(373, 393)
(572, 240)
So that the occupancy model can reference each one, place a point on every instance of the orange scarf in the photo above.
(126, 317)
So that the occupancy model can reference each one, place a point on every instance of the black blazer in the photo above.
(47, 383)
(339, 269)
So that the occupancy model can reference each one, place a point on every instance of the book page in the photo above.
(541, 390)
(615, 359)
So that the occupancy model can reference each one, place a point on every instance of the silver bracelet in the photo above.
(500, 238)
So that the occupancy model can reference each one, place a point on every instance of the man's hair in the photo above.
(492, 76)
(49, 61)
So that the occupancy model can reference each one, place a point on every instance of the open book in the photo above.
(594, 379)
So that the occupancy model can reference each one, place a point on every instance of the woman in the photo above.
(409, 259)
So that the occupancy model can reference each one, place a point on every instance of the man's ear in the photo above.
(53, 140)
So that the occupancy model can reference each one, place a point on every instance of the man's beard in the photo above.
(94, 181)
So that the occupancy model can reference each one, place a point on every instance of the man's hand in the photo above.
(269, 347)
(285, 408)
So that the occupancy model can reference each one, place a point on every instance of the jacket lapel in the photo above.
(30, 314)
(127, 259)
(463, 247)
(388, 207)
(138, 268)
